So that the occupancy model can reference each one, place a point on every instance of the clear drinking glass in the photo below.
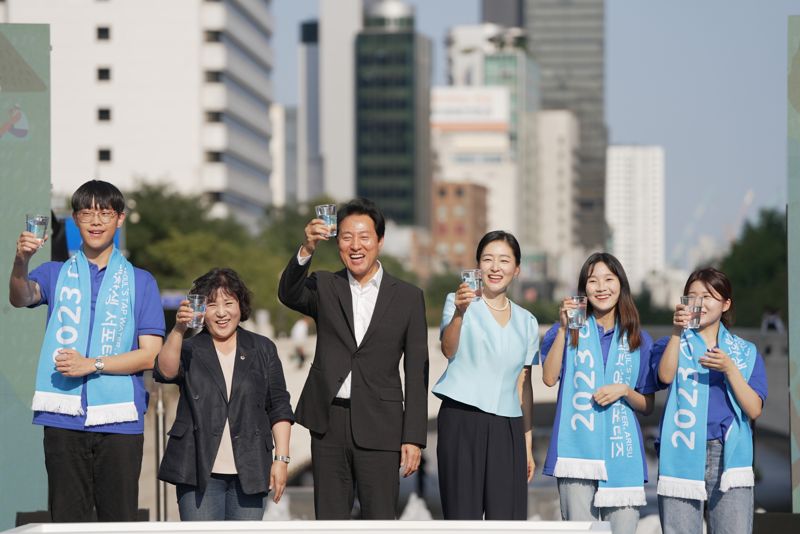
(327, 212)
(474, 278)
(577, 316)
(37, 225)
(198, 305)
(694, 305)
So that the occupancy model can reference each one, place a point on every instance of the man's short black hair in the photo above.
(98, 194)
(363, 206)
(227, 281)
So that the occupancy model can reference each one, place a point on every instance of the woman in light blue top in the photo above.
(485, 423)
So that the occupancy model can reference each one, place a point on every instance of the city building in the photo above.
(460, 223)
(489, 55)
(567, 40)
(471, 143)
(339, 23)
(310, 184)
(393, 69)
(283, 151)
(635, 209)
(559, 138)
(172, 92)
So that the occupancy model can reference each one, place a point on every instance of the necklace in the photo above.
(501, 308)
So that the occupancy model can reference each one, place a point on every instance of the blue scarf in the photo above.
(594, 442)
(682, 460)
(109, 398)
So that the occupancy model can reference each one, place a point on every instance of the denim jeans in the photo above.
(223, 499)
(577, 497)
(728, 513)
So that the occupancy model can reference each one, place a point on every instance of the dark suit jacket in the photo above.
(378, 417)
(258, 400)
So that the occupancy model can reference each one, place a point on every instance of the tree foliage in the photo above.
(757, 267)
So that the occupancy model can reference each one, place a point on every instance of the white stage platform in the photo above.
(292, 527)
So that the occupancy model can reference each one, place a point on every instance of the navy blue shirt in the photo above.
(720, 409)
(645, 384)
(149, 317)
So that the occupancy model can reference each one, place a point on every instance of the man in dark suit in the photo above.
(362, 431)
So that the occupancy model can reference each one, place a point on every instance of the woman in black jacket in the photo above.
(233, 405)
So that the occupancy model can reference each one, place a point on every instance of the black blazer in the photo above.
(379, 418)
(258, 400)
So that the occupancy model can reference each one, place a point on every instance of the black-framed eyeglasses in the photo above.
(105, 216)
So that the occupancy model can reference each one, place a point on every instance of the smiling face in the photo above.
(498, 266)
(713, 303)
(222, 315)
(602, 288)
(97, 236)
(359, 246)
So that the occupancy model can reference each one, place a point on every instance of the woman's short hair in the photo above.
(228, 281)
(718, 281)
(499, 235)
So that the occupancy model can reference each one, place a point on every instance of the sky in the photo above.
(705, 80)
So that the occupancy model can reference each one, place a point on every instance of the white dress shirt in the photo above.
(364, 299)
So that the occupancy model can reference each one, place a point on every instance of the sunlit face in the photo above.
(359, 246)
(222, 315)
(498, 265)
(602, 288)
(97, 235)
(713, 303)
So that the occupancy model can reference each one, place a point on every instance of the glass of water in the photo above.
(327, 212)
(474, 278)
(577, 316)
(198, 305)
(37, 225)
(693, 305)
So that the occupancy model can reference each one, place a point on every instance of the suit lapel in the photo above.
(206, 354)
(342, 287)
(385, 295)
(245, 354)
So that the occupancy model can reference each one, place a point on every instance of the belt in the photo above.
(344, 403)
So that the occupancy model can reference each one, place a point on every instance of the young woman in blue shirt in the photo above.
(596, 451)
(717, 387)
(485, 422)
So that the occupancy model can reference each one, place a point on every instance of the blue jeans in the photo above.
(728, 513)
(222, 500)
(577, 498)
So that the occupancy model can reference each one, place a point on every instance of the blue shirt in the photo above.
(149, 317)
(645, 383)
(720, 409)
(484, 370)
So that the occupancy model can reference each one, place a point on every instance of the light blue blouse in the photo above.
(484, 370)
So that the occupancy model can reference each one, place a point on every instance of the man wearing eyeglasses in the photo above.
(105, 327)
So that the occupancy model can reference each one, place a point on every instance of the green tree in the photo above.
(757, 267)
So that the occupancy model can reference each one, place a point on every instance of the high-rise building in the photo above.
(393, 69)
(558, 177)
(283, 151)
(489, 55)
(459, 224)
(635, 209)
(310, 183)
(567, 41)
(187, 104)
(339, 23)
(471, 144)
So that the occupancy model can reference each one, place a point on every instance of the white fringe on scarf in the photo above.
(580, 468)
(683, 488)
(737, 477)
(633, 496)
(105, 414)
(46, 401)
